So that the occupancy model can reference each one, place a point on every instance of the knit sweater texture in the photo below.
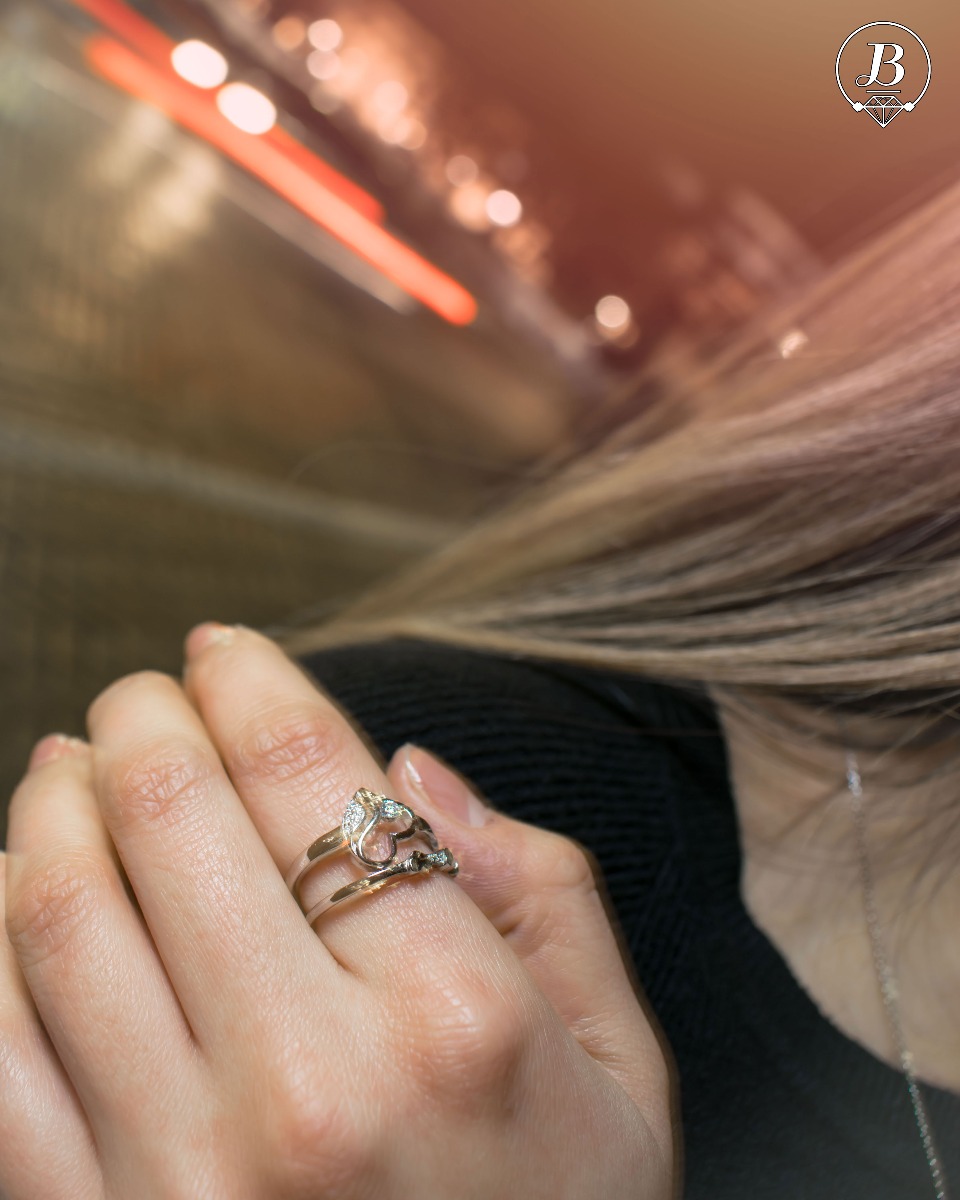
(776, 1102)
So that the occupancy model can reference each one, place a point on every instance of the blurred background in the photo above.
(292, 290)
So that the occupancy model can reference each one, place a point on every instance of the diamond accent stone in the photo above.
(391, 809)
(353, 817)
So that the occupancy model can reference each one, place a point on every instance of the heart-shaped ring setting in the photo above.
(367, 812)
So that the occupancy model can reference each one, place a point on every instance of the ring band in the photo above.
(365, 813)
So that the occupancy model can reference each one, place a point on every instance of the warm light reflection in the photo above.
(469, 205)
(157, 48)
(503, 207)
(612, 313)
(199, 64)
(613, 321)
(402, 131)
(289, 32)
(462, 170)
(325, 34)
(390, 97)
(247, 108)
(291, 171)
(323, 64)
(791, 342)
(524, 243)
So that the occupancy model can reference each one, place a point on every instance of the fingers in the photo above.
(93, 976)
(296, 762)
(539, 890)
(45, 1131)
(224, 924)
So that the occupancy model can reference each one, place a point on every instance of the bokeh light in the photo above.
(402, 131)
(199, 64)
(461, 170)
(791, 342)
(503, 207)
(612, 314)
(323, 64)
(248, 109)
(469, 205)
(325, 34)
(289, 33)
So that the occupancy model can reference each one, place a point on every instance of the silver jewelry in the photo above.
(365, 813)
(888, 984)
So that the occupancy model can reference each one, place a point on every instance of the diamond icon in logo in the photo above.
(883, 108)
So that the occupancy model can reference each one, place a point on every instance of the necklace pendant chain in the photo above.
(888, 984)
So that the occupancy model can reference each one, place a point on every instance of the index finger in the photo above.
(296, 761)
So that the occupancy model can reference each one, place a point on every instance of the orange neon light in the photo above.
(135, 30)
(153, 44)
(197, 111)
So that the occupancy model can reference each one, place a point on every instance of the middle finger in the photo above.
(296, 760)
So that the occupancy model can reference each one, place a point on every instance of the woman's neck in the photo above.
(801, 885)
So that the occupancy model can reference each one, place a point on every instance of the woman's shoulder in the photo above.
(402, 680)
(536, 737)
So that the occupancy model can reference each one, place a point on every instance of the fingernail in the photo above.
(443, 787)
(206, 634)
(54, 745)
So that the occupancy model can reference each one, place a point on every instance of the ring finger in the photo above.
(296, 761)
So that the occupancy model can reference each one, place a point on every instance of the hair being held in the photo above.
(781, 534)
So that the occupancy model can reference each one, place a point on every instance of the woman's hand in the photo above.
(171, 1026)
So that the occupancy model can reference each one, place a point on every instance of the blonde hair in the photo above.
(773, 526)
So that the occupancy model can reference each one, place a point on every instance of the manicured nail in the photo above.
(54, 745)
(443, 787)
(205, 635)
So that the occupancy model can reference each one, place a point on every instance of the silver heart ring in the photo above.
(363, 816)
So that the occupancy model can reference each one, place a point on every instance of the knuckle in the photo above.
(161, 784)
(562, 863)
(302, 745)
(51, 910)
(314, 1136)
(467, 1044)
(564, 876)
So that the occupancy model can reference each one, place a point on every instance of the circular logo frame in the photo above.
(885, 114)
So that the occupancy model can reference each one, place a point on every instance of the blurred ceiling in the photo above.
(745, 91)
(663, 147)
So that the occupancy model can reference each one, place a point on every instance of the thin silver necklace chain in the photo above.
(888, 984)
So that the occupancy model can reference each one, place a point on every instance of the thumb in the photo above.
(541, 892)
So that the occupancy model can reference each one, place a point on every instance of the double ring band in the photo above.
(365, 813)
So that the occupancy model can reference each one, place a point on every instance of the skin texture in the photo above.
(801, 884)
(171, 1027)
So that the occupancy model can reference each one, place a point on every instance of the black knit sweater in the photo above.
(776, 1102)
